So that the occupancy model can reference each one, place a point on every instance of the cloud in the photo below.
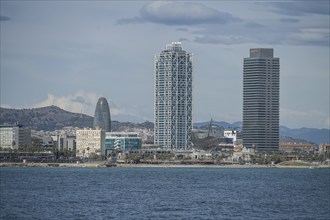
(182, 29)
(274, 35)
(4, 18)
(85, 102)
(81, 100)
(183, 39)
(289, 20)
(252, 24)
(221, 39)
(179, 13)
(301, 8)
(312, 36)
(3, 105)
(134, 20)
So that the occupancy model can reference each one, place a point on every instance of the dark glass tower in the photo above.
(261, 96)
(102, 119)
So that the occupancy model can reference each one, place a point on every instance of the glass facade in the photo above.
(102, 119)
(13, 136)
(124, 141)
(261, 92)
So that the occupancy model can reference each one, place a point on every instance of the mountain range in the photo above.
(54, 118)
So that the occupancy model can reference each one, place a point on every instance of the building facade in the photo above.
(173, 98)
(261, 96)
(102, 118)
(14, 136)
(65, 142)
(89, 142)
(123, 140)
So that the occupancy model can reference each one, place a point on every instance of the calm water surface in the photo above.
(164, 193)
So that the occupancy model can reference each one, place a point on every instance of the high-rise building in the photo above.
(261, 96)
(173, 97)
(102, 119)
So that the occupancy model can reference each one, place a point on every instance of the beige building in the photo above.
(89, 142)
(324, 148)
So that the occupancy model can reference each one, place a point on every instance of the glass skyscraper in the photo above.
(173, 97)
(261, 96)
(102, 119)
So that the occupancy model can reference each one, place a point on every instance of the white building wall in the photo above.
(13, 136)
(89, 141)
(173, 98)
(230, 134)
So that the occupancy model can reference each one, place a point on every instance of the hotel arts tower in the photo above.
(173, 98)
(261, 96)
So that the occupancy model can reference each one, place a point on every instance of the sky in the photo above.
(70, 53)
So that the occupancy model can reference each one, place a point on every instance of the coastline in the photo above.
(103, 165)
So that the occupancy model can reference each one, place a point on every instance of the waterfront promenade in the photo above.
(102, 164)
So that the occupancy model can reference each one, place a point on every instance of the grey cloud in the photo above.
(180, 13)
(135, 20)
(4, 18)
(183, 40)
(220, 39)
(309, 36)
(289, 20)
(81, 100)
(300, 8)
(253, 25)
(182, 29)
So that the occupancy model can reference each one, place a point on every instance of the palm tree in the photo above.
(88, 153)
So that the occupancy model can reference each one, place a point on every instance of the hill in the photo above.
(46, 118)
(54, 118)
(314, 135)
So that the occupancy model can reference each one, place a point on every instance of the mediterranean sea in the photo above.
(164, 193)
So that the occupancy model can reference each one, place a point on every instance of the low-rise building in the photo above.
(14, 136)
(297, 147)
(89, 142)
(65, 142)
(124, 140)
(235, 135)
(324, 148)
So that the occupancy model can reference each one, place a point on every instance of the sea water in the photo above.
(164, 193)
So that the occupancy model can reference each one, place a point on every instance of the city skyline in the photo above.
(96, 49)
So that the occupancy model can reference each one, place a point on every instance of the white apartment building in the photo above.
(173, 98)
(230, 134)
(89, 141)
(13, 136)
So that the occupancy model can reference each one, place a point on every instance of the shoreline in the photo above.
(103, 165)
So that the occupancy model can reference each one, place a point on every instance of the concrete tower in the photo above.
(102, 119)
(261, 96)
(173, 97)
